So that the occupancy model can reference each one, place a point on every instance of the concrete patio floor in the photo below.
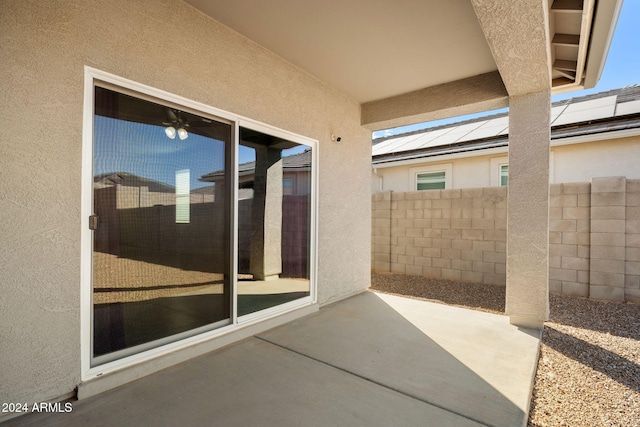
(370, 360)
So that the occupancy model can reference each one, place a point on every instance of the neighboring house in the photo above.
(458, 230)
(591, 136)
(173, 90)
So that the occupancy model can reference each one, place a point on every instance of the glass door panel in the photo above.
(161, 241)
(274, 215)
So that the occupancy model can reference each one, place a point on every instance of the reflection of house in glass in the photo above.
(133, 209)
(138, 192)
(130, 207)
(296, 176)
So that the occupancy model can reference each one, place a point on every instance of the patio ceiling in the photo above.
(403, 59)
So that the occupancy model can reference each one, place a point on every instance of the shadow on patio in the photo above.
(373, 359)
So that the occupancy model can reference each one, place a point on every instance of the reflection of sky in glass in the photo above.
(146, 151)
(246, 154)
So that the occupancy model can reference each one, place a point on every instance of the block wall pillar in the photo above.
(608, 253)
(632, 244)
(381, 231)
(527, 293)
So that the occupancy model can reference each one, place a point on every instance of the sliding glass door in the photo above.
(197, 222)
(161, 241)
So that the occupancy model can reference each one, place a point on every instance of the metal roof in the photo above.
(582, 111)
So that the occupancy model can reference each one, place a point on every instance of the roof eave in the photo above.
(602, 30)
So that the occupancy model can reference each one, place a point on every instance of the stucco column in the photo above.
(527, 293)
(266, 215)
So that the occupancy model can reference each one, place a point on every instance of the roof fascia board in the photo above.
(603, 28)
(595, 137)
(444, 157)
(472, 95)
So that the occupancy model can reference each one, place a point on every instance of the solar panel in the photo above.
(563, 114)
(493, 127)
(426, 139)
(455, 135)
(594, 109)
(392, 145)
(630, 107)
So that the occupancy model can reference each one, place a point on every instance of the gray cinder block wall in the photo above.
(569, 238)
(460, 234)
(455, 234)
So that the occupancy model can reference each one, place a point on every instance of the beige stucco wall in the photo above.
(568, 163)
(467, 172)
(581, 162)
(173, 47)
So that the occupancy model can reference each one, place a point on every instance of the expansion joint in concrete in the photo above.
(367, 379)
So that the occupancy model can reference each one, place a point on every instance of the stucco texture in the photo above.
(171, 46)
(528, 209)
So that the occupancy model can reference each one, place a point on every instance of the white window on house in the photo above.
(431, 181)
(504, 175)
(431, 177)
(499, 171)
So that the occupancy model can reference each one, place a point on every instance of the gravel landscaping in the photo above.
(589, 367)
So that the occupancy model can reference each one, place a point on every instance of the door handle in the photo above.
(93, 222)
